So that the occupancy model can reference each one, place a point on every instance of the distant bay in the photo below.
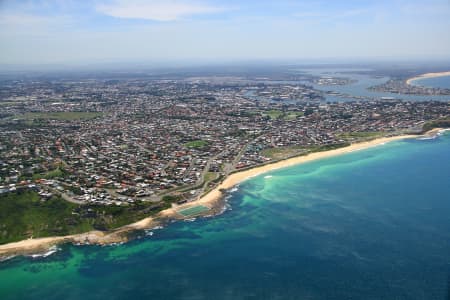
(372, 224)
(442, 82)
(361, 85)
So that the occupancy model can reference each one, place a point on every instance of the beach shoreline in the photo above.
(213, 200)
(427, 75)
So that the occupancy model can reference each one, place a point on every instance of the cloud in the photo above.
(157, 10)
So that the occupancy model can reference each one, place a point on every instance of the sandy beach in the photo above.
(427, 75)
(211, 200)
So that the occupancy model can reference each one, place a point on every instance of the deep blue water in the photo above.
(373, 224)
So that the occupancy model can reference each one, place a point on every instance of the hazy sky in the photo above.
(75, 31)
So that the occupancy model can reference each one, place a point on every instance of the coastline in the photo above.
(212, 200)
(427, 75)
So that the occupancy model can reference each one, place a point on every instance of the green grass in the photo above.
(171, 198)
(51, 174)
(6, 103)
(292, 115)
(443, 123)
(361, 135)
(321, 148)
(278, 114)
(193, 211)
(196, 144)
(63, 116)
(273, 114)
(282, 152)
(55, 173)
(285, 152)
(210, 176)
(24, 215)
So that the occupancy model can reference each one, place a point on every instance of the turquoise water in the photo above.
(373, 224)
(436, 82)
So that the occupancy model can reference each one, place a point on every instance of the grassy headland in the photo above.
(24, 214)
(443, 123)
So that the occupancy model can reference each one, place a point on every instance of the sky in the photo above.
(35, 32)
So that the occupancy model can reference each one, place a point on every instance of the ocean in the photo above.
(372, 224)
(435, 82)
